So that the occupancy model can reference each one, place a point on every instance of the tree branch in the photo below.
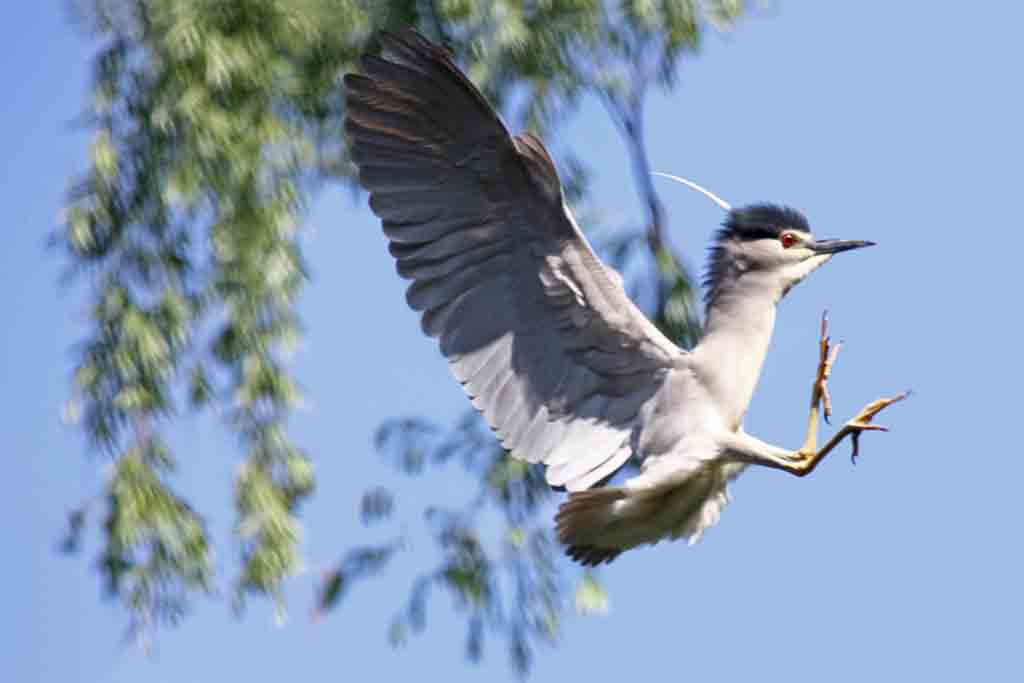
(675, 283)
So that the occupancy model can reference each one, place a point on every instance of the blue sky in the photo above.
(897, 122)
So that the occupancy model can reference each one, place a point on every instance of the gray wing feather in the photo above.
(540, 333)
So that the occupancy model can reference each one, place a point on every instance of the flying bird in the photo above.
(566, 370)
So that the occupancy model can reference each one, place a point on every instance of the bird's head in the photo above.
(773, 244)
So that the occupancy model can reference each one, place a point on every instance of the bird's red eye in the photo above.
(788, 239)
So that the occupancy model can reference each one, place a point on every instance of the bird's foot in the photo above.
(803, 461)
(826, 359)
(861, 422)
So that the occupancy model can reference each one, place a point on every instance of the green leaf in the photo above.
(104, 157)
(358, 563)
(200, 392)
(157, 549)
(591, 597)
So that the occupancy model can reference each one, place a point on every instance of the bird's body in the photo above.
(685, 433)
(541, 334)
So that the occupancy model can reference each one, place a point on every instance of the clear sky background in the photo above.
(896, 122)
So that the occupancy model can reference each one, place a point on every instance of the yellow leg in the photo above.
(809, 456)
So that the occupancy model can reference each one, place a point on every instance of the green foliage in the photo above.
(509, 584)
(213, 122)
(157, 550)
(358, 563)
(677, 314)
(591, 597)
(210, 118)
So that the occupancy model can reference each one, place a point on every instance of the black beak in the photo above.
(836, 246)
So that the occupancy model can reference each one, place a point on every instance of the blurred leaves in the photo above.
(376, 505)
(591, 597)
(508, 584)
(72, 541)
(157, 551)
(357, 563)
(677, 315)
(213, 123)
(209, 124)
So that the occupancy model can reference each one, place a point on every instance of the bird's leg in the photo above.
(826, 359)
(808, 456)
(744, 448)
(820, 400)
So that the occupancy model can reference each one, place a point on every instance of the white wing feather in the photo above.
(540, 333)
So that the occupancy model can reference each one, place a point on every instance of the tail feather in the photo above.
(590, 556)
(580, 516)
(597, 525)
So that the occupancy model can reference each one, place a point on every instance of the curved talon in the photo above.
(855, 438)
(805, 460)
(862, 421)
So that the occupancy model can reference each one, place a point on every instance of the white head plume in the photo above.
(694, 186)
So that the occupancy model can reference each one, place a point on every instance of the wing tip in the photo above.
(408, 41)
(592, 556)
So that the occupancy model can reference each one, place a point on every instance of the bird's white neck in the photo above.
(738, 330)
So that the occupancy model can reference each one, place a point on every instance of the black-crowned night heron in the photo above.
(565, 369)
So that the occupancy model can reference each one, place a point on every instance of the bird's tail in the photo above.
(597, 525)
(580, 516)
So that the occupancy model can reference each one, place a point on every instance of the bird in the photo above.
(567, 371)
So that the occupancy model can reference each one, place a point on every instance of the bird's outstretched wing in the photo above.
(540, 333)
